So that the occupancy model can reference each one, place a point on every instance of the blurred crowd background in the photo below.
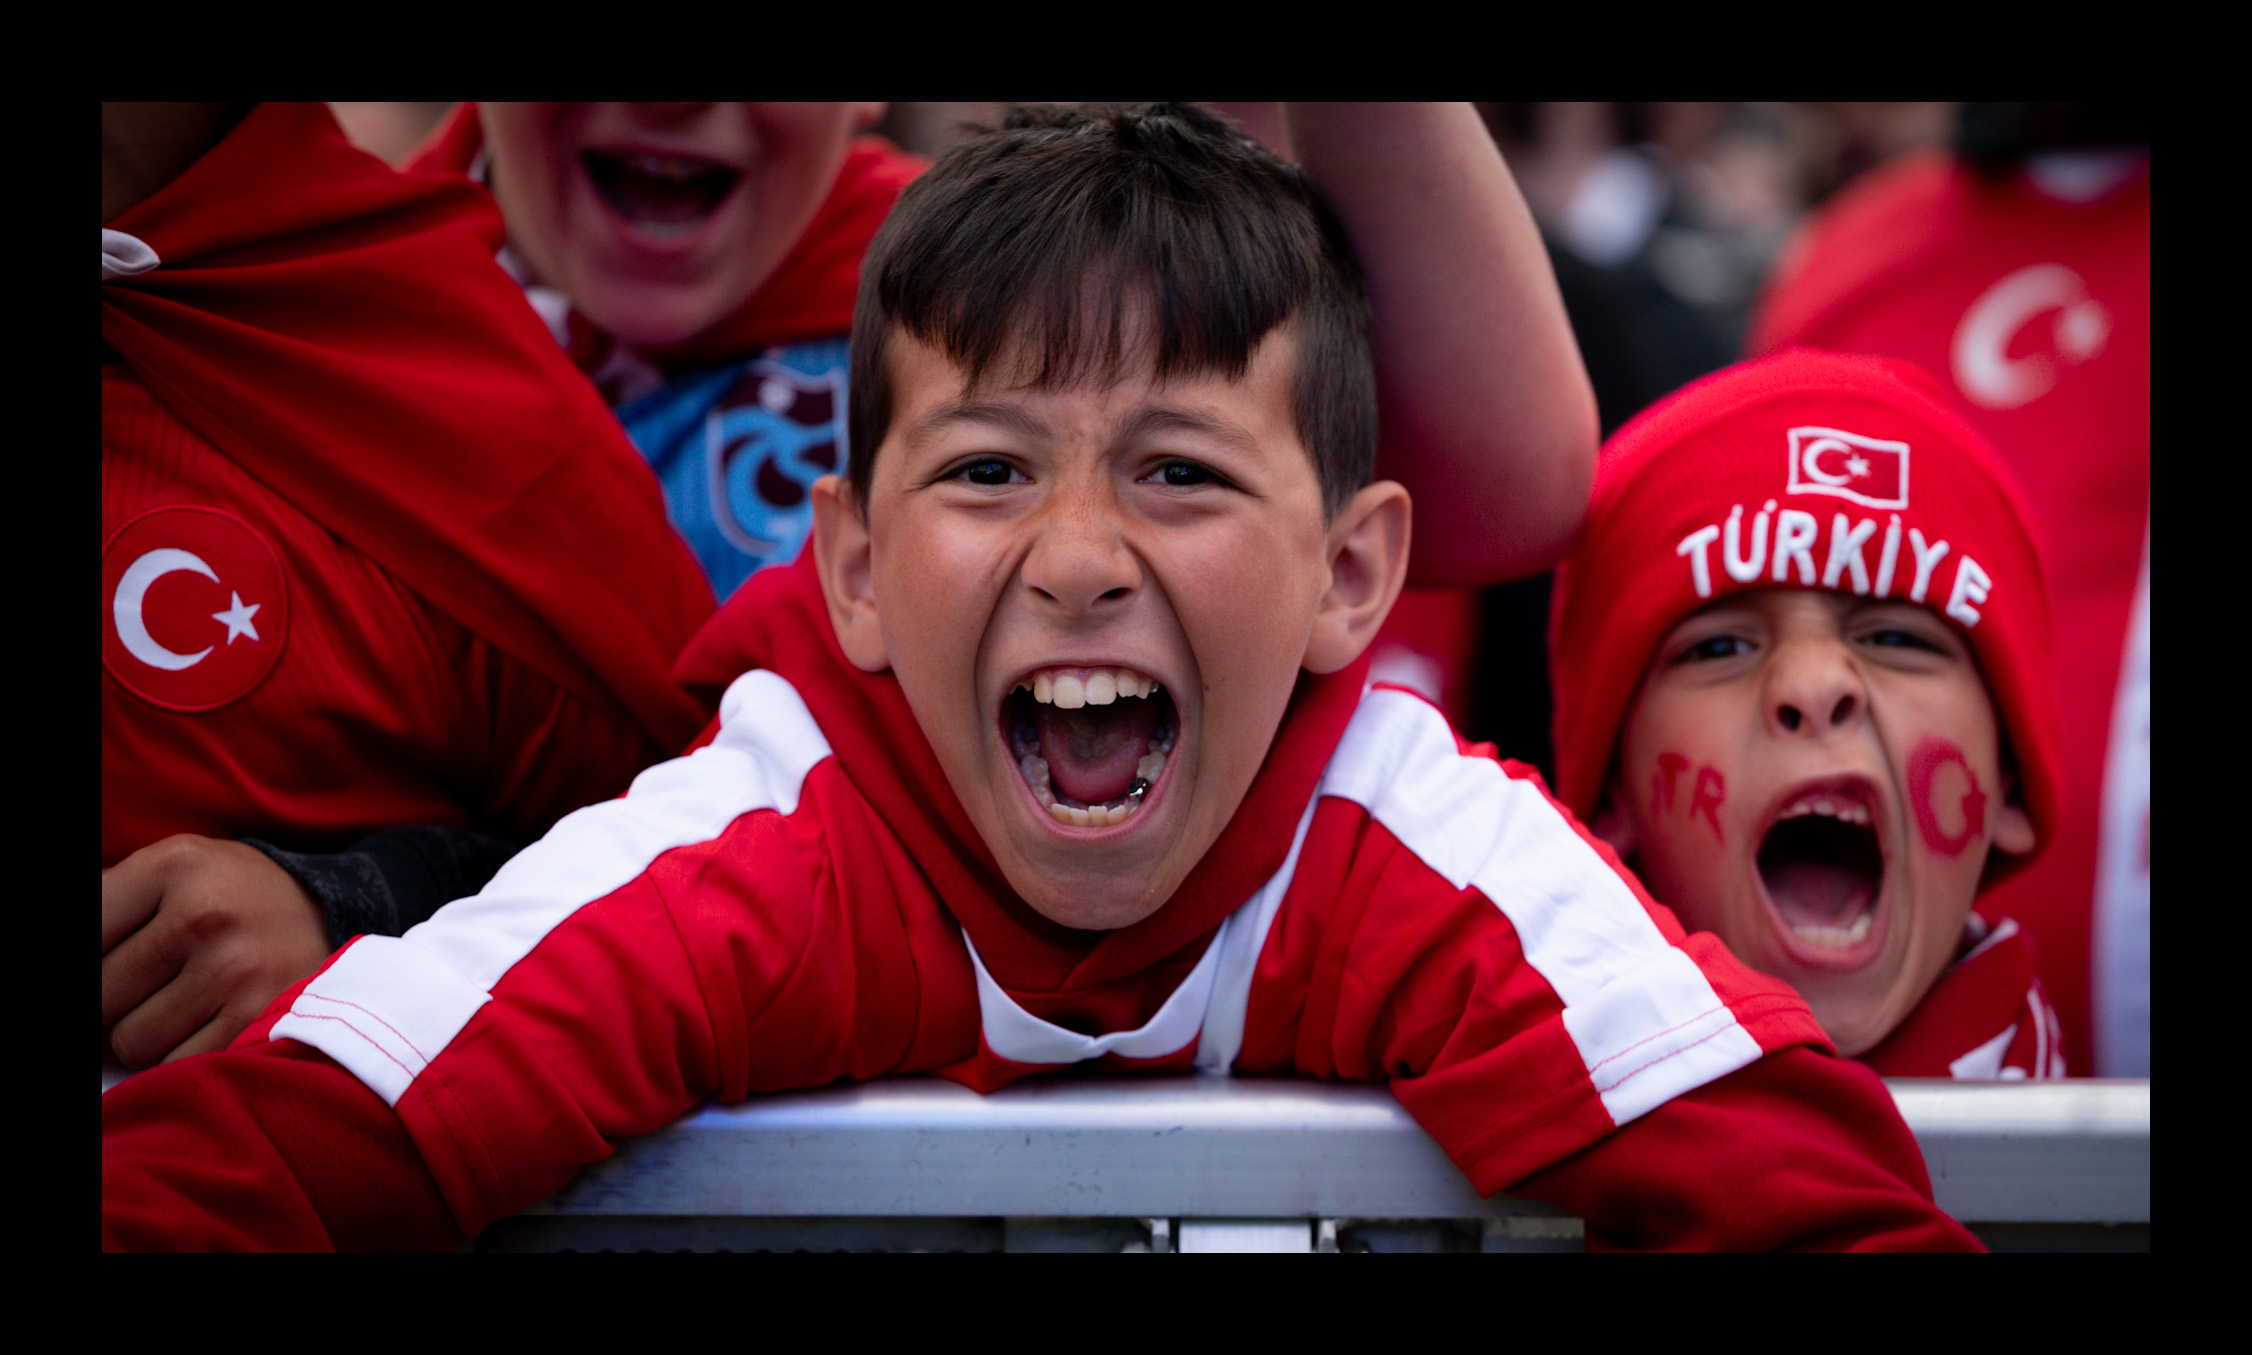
(1667, 217)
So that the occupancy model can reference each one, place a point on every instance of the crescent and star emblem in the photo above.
(1980, 356)
(1811, 462)
(133, 588)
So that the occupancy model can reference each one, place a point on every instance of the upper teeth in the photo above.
(1829, 806)
(667, 166)
(1071, 688)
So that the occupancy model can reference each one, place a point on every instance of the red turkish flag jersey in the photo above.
(372, 552)
(336, 701)
(2036, 314)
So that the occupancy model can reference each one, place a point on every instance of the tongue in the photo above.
(1817, 893)
(1092, 751)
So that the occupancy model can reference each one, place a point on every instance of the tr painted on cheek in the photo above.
(1931, 785)
(1670, 765)
(1711, 789)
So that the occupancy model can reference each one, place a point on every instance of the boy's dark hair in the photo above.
(1048, 232)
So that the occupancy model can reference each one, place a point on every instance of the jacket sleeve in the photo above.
(394, 879)
(1797, 1152)
(689, 940)
(404, 1096)
(272, 1148)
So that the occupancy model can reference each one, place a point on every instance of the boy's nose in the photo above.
(1079, 559)
(1813, 689)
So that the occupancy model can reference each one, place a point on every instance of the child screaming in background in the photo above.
(1801, 665)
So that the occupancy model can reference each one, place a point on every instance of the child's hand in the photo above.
(198, 936)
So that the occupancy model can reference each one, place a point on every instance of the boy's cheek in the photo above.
(1678, 802)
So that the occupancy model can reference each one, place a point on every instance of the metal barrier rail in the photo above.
(1214, 1163)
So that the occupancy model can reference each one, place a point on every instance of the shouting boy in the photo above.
(1055, 749)
(1801, 669)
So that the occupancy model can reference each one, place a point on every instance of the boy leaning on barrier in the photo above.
(1802, 673)
(1055, 749)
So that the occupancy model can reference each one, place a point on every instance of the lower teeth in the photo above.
(1838, 938)
(1035, 769)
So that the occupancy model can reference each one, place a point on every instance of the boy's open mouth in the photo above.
(1824, 868)
(663, 194)
(1091, 743)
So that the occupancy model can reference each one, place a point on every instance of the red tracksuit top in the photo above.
(372, 551)
(802, 900)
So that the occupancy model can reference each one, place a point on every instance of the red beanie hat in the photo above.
(1803, 470)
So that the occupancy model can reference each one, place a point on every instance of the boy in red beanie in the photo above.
(1801, 672)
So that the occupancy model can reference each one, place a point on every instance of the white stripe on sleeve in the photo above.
(388, 1006)
(1647, 1023)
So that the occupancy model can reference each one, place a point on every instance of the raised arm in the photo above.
(1488, 418)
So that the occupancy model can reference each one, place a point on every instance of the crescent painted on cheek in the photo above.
(1924, 766)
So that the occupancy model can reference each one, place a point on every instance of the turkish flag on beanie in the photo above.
(1870, 471)
(341, 331)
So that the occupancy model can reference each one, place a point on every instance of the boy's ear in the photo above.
(843, 555)
(2013, 825)
(1368, 556)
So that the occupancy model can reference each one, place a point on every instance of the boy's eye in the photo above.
(1181, 475)
(1715, 647)
(989, 472)
(1892, 638)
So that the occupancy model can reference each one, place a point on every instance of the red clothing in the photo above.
(803, 900)
(1986, 1017)
(2036, 315)
(372, 552)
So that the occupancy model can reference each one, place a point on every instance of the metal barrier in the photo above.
(1223, 1164)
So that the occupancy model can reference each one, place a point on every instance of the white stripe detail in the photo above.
(1984, 1063)
(1014, 1033)
(1208, 1007)
(1993, 938)
(406, 998)
(1647, 1022)
(373, 1010)
(125, 256)
(1241, 939)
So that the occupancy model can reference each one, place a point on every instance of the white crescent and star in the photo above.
(125, 608)
(1810, 461)
(1982, 364)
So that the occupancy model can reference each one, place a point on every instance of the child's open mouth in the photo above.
(1823, 867)
(1091, 743)
(662, 194)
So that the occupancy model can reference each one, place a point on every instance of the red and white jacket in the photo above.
(1986, 1017)
(802, 900)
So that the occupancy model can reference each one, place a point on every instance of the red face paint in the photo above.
(1923, 774)
(1670, 765)
(1711, 790)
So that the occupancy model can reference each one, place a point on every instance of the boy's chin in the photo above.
(1102, 903)
(1857, 1018)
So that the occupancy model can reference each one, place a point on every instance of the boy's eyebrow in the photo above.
(1011, 417)
(1156, 420)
